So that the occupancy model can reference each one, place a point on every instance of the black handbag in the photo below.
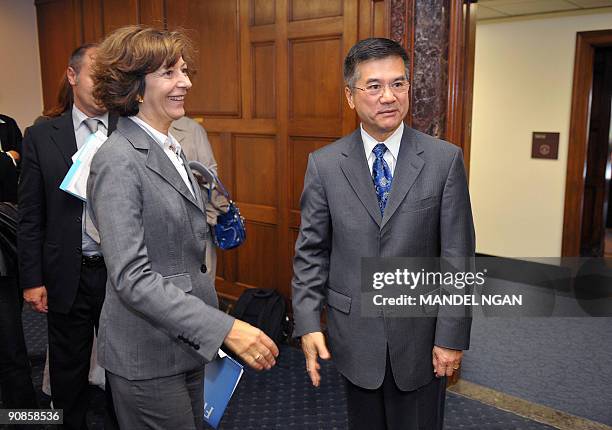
(230, 232)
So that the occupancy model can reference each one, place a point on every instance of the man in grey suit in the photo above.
(385, 190)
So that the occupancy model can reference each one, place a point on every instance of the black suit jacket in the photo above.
(10, 139)
(49, 227)
(10, 135)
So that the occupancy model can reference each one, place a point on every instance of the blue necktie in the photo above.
(381, 174)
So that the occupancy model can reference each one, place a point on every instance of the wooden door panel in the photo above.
(93, 25)
(57, 40)
(119, 13)
(315, 78)
(152, 13)
(257, 264)
(262, 12)
(264, 80)
(310, 9)
(255, 171)
(213, 26)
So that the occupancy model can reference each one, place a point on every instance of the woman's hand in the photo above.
(252, 345)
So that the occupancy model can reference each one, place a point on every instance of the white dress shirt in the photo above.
(165, 141)
(392, 143)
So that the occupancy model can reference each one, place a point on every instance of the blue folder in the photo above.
(221, 378)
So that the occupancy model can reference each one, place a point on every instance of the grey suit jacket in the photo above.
(428, 215)
(160, 313)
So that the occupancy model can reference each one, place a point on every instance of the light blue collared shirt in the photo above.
(81, 133)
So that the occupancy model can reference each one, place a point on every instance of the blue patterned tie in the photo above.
(381, 174)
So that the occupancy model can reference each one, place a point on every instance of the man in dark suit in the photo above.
(385, 190)
(61, 267)
(10, 150)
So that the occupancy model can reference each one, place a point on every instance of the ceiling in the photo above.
(491, 9)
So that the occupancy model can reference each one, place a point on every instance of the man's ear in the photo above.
(349, 97)
(72, 75)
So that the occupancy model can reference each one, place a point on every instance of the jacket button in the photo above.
(78, 250)
(78, 219)
(196, 347)
(203, 268)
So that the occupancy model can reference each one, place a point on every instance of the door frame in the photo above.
(586, 43)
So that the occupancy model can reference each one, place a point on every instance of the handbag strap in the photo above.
(221, 187)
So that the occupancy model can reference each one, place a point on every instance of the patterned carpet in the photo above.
(283, 398)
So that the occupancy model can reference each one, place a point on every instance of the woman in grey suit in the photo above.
(160, 323)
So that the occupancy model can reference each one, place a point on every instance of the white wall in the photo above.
(523, 83)
(20, 80)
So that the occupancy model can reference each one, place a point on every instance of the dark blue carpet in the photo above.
(283, 398)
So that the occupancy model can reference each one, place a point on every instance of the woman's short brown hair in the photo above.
(126, 56)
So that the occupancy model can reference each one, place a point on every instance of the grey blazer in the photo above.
(160, 313)
(428, 215)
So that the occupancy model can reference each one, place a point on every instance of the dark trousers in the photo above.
(389, 408)
(70, 343)
(15, 373)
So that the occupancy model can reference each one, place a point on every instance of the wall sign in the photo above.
(545, 145)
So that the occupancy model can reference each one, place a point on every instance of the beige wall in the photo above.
(523, 83)
(20, 81)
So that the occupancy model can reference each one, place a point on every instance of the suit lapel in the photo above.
(157, 160)
(407, 169)
(64, 138)
(355, 167)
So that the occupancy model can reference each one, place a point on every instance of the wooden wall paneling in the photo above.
(264, 80)
(257, 257)
(223, 156)
(284, 256)
(262, 12)
(254, 125)
(350, 34)
(315, 81)
(312, 9)
(255, 169)
(331, 26)
(214, 27)
(57, 37)
(246, 60)
(373, 18)
(119, 13)
(152, 13)
(222, 147)
(92, 22)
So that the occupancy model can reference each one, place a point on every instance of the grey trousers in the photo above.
(172, 402)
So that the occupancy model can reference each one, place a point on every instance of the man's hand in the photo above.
(37, 298)
(313, 345)
(446, 361)
(252, 345)
(14, 155)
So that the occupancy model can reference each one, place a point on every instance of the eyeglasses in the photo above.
(375, 90)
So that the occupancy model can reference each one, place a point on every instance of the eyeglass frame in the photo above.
(382, 90)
